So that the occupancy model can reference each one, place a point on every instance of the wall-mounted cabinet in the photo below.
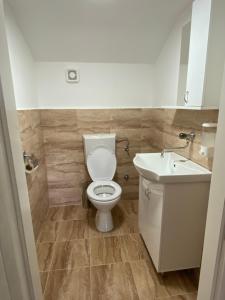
(189, 69)
(206, 54)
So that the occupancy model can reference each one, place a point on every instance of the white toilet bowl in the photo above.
(104, 195)
(101, 164)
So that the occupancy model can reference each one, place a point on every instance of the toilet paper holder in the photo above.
(31, 163)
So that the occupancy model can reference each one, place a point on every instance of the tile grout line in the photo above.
(92, 266)
(90, 272)
(90, 238)
(49, 270)
(37, 241)
(43, 291)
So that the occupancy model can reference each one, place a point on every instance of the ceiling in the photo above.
(127, 31)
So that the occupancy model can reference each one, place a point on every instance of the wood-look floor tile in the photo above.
(55, 213)
(75, 212)
(71, 254)
(143, 280)
(129, 207)
(43, 277)
(68, 285)
(171, 283)
(121, 267)
(66, 213)
(132, 247)
(63, 231)
(48, 232)
(189, 296)
(45, 253)
(105, 250)
(70, 230)
(129, 225)
(113, 282)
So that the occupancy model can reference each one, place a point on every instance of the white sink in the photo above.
(170, 168)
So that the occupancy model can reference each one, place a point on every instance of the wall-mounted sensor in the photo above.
(72, 76)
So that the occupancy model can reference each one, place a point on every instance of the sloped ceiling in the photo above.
(127, 31)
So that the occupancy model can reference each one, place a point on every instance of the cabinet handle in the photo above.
(148, 193)
(186, 95)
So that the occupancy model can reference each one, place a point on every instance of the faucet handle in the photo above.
(187, 136)
(183, 135)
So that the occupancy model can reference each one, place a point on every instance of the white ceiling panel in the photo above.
(128, 31)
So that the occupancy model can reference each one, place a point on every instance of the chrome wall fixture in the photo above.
(188, 137)
(127, 150)
(31, 162)
(127, 146)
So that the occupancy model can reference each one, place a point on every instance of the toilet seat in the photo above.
(104, 191)
(101, 164)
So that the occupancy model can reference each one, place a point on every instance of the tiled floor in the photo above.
(78, 262)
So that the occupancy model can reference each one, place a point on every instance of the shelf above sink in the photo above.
(171, 168)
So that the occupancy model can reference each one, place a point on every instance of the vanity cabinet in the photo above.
(172, 220)
(206, 54)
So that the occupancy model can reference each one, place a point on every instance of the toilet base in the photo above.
(104, 221)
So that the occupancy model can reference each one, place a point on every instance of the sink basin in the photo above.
(169, 169)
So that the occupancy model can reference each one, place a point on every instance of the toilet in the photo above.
(103, 192)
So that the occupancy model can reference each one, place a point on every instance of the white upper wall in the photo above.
(167, 66)
(101, 85)
(106, 31)
(42, 84)
(22, 64)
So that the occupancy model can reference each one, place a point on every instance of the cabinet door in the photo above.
(198, 52)
(150, 217)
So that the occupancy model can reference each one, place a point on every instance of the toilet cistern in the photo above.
(101, 163)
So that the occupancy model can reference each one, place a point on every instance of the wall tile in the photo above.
(32, 143)
(126, 118)
(59, 118)
(176, 121)
(148, 130)
(93, 120)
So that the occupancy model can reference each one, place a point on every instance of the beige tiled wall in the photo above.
(32, 143)
(170, 122)
(148, 130)
(63, 130)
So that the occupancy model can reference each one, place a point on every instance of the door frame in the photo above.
(215, 222)
(17, 244)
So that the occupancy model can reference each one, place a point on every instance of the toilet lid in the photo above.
(101, 164)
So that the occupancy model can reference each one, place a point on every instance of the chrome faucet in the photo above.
(188, 137)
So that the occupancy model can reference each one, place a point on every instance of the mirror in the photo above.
(184, 55)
